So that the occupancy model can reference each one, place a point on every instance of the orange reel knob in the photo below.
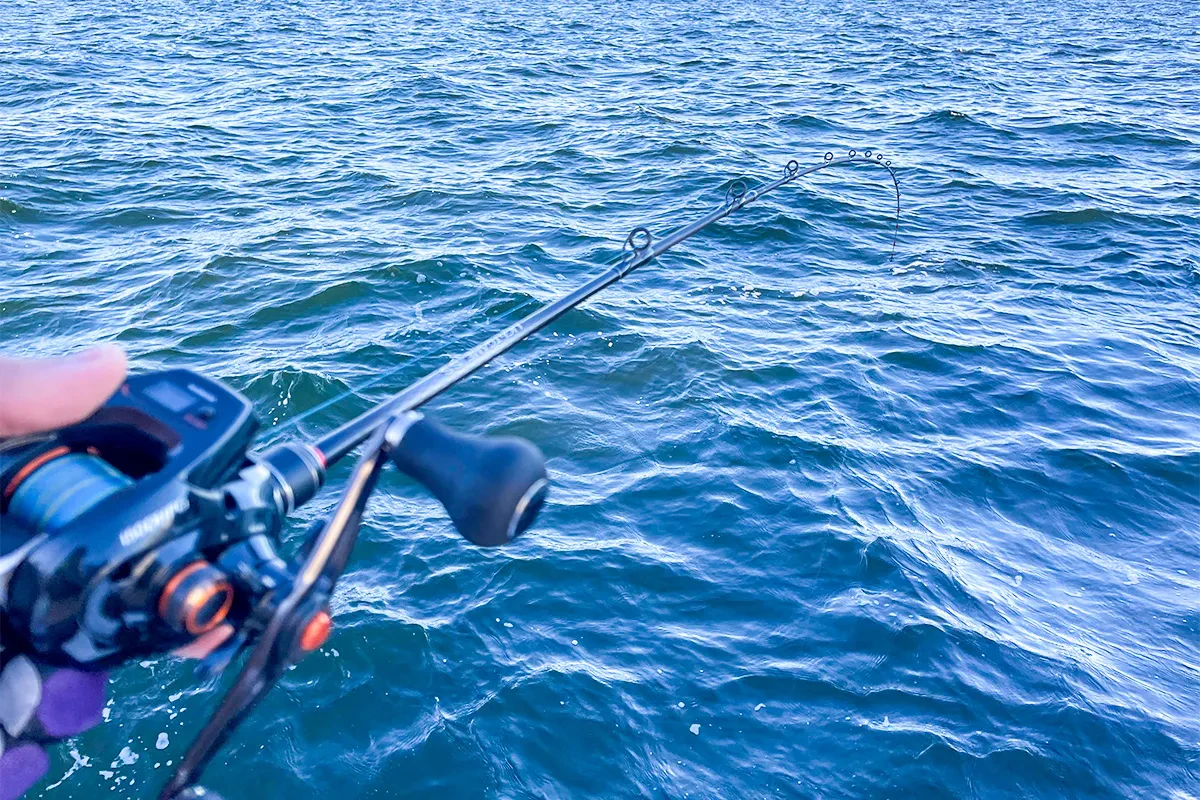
(196, 599)
(316, 632)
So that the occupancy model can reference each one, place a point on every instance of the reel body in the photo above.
(110, 527)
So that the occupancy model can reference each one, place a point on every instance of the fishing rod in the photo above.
(639, 248)
(154, 525)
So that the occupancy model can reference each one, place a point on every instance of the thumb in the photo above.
(41, 395)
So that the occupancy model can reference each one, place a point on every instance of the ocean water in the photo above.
(823, 524)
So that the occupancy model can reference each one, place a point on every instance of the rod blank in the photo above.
(341, 441)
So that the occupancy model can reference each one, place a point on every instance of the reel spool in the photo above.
(58, 485)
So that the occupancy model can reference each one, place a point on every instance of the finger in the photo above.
(206, 643)
(72, 702)
(41, 395)
(42, 703)
(21, 766)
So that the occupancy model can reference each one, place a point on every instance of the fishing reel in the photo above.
(151, 524)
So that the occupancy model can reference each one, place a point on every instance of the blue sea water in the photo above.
(823, 525)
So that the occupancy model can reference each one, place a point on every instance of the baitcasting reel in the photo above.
(150, 524)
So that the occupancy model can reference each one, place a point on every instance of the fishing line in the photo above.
(638, 248)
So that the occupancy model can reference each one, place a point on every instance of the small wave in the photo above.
(316, 303)
(11, 211)
(1095, 217)
(142, 217)
(208, 336)
(807, 122)
(1108, 132)
(958, 120)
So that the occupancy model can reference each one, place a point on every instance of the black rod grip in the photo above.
(492, 488)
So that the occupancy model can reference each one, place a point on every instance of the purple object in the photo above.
(21, 767)
(72, 702)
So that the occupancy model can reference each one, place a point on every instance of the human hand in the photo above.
(43, 394)
(39, 704)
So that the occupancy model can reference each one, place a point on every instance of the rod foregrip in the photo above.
(492, 487)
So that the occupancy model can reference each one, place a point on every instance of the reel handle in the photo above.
(492, 487)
